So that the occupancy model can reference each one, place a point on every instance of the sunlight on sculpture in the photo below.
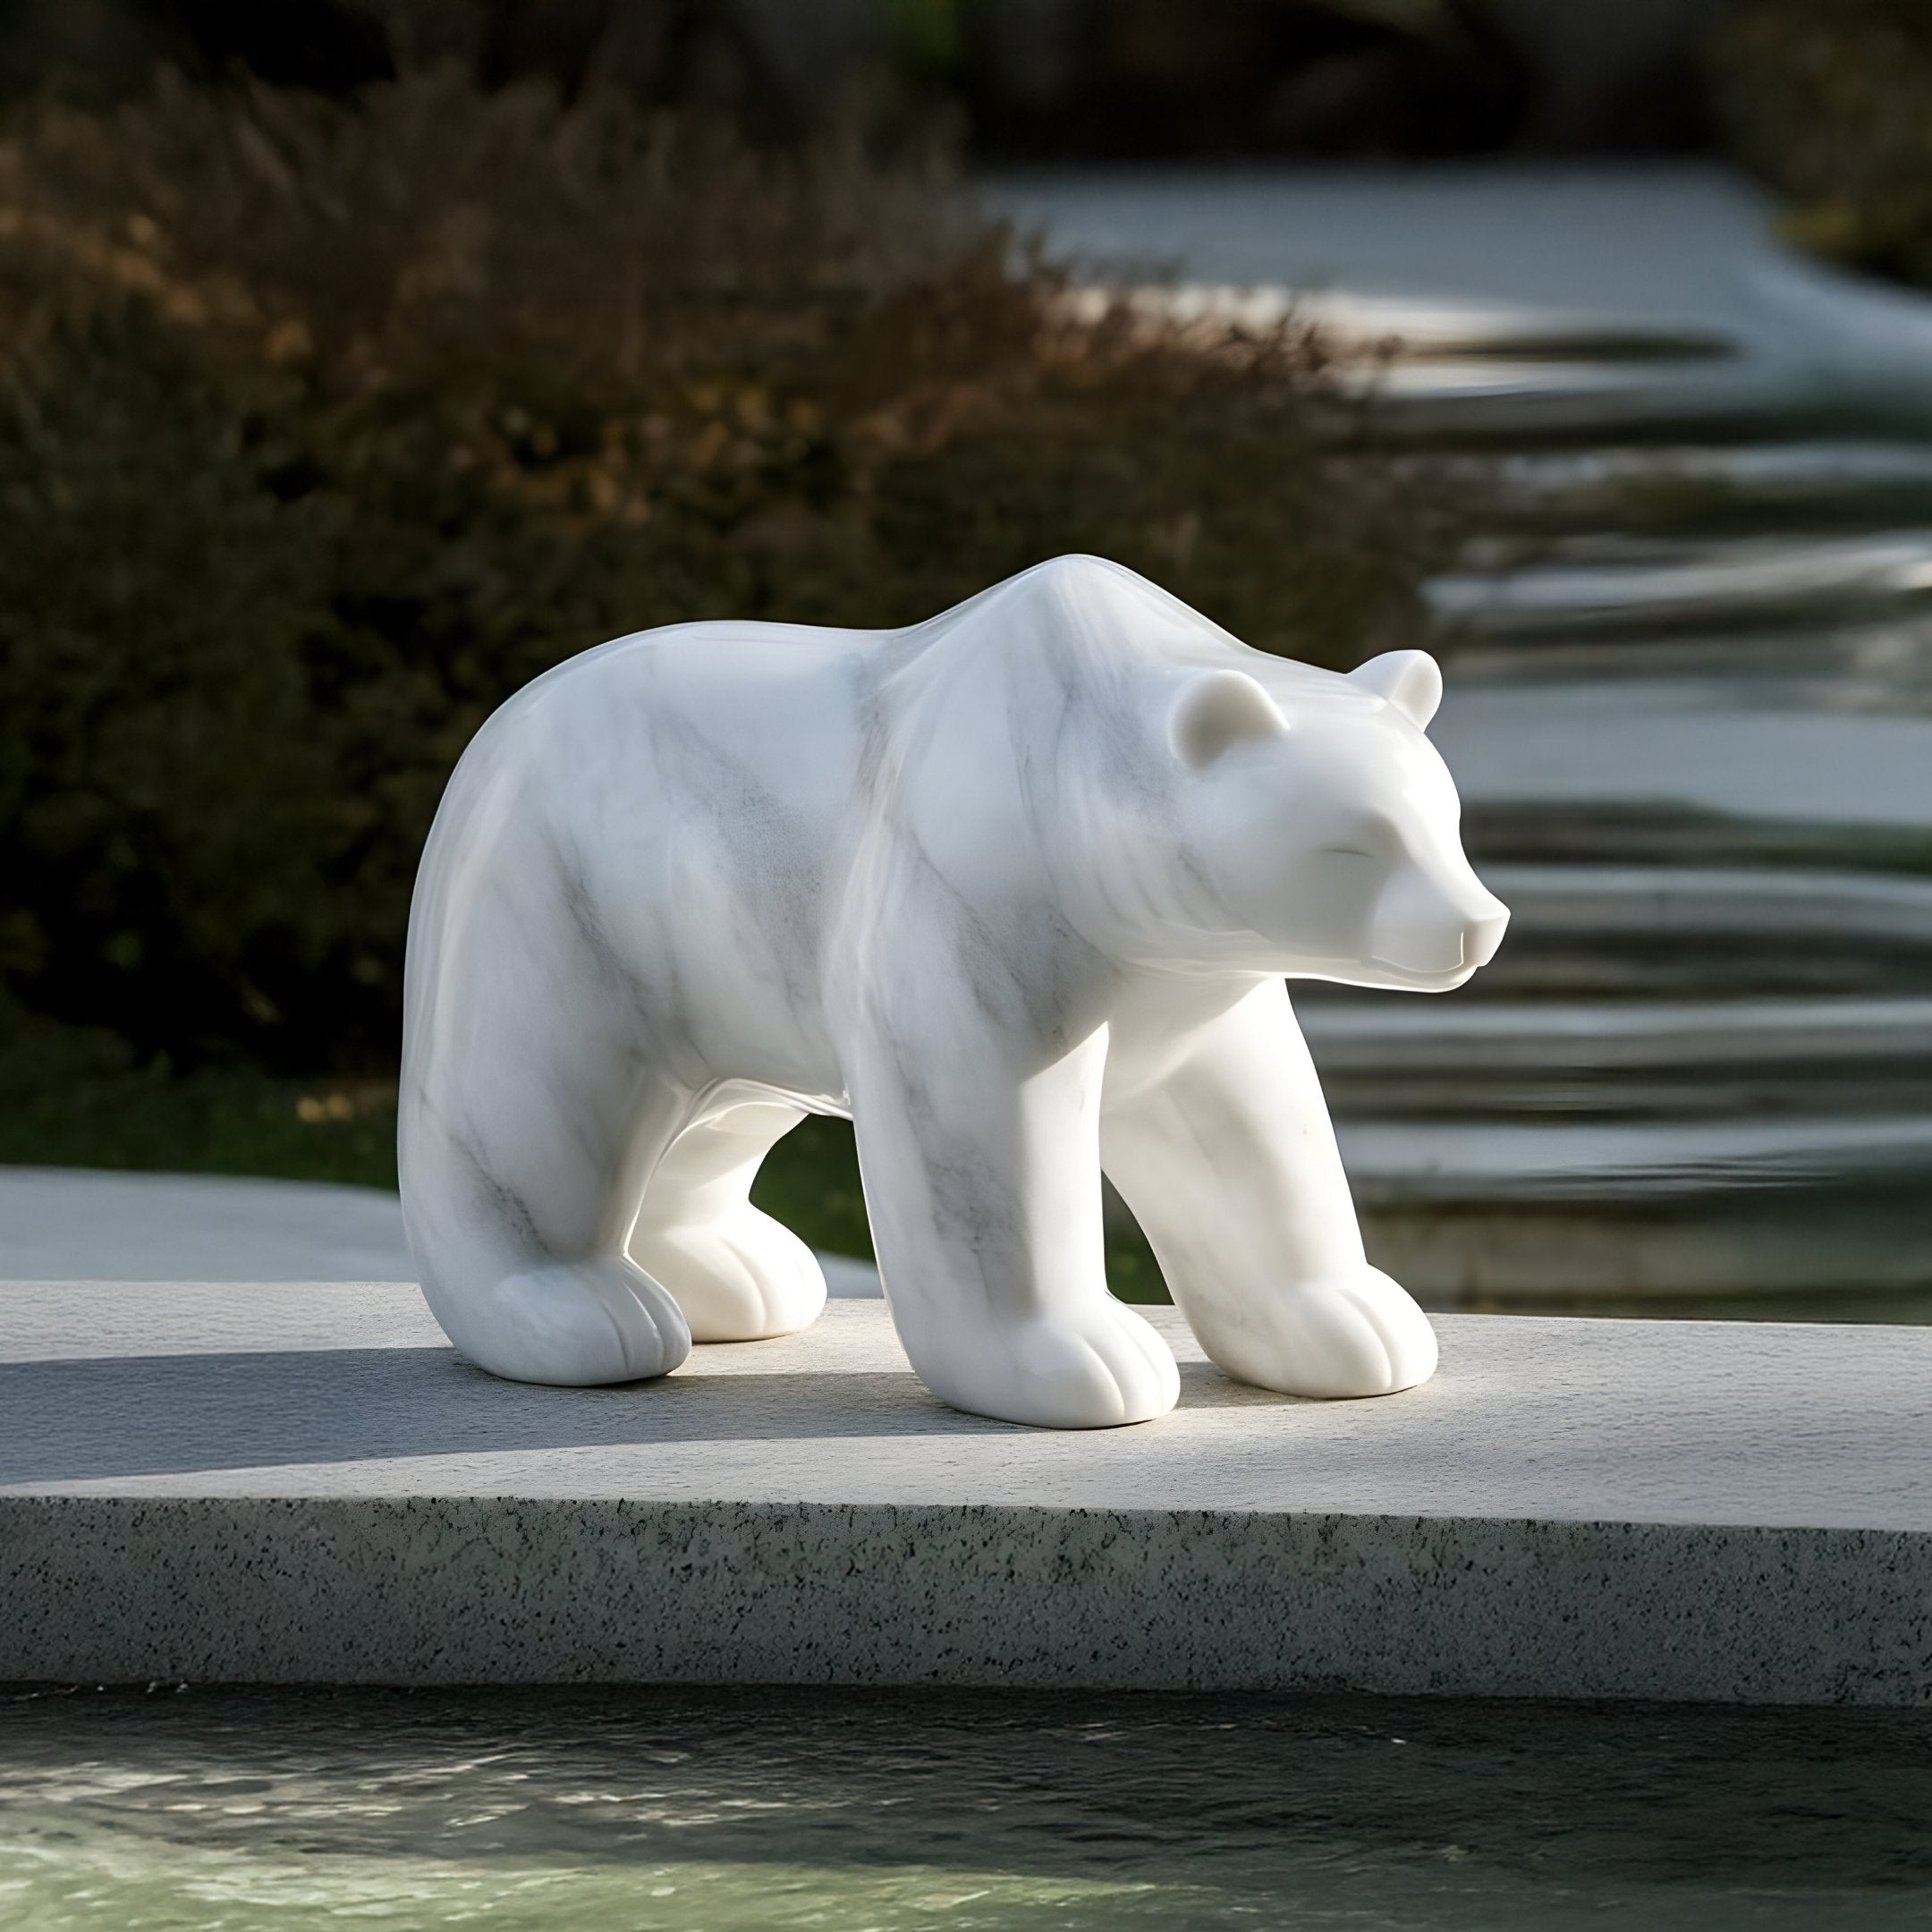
(1016, 889)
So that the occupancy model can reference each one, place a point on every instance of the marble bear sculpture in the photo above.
(1016, 889)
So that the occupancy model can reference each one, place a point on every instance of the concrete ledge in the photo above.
(290, 1482)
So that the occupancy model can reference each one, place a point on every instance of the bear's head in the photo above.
(1320, 829)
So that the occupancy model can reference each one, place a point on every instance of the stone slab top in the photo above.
(348, 1390)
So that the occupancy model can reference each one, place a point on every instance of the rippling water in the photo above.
(672, 1812)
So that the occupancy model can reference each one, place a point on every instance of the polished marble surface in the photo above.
(1015, 889)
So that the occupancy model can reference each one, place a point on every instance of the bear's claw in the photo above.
(1099, 1368)
(576, 1324)
(1360, 1335)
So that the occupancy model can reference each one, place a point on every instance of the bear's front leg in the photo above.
(1230, 1166)
(981, 1165)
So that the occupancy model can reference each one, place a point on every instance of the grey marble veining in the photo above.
(304, 1483)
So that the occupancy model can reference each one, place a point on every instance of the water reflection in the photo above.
(686, 1809)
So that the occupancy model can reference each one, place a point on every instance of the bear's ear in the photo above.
(1411, 679)
(1219, 710)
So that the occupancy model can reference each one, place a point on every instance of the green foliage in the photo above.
(325, 427)
(1833, 104)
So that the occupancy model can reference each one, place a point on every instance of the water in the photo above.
(672, 1812)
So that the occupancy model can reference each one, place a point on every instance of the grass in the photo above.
(76, 1097)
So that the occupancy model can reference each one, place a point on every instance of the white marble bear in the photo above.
(1016, 889)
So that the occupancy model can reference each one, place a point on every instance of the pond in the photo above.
(673, 1812)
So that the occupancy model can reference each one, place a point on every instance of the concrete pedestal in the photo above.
(290, 1482)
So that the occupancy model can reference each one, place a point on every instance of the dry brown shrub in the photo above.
(1833, 104)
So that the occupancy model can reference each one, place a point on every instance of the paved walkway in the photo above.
(63, 1224)
(1627, 290)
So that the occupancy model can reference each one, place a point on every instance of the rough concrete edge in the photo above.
(468, 1592)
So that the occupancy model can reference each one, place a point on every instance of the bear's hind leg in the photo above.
(520, 1152)
(738, 1274)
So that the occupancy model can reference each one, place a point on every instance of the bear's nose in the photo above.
(1483, 934)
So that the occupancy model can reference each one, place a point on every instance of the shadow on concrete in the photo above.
(171, 1414)
(83, 1421)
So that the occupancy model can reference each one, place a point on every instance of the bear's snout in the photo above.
(1483, 934)
(1423, 930)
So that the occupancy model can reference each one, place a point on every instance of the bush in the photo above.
(1833, 106)
(327, 426)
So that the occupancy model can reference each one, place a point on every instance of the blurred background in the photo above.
(361, 359)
